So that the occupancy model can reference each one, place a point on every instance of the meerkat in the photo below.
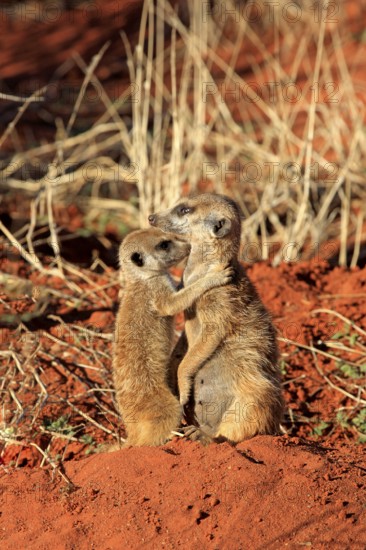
(232, 359)
(144, 332)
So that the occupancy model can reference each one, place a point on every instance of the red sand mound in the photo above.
(270, 492)
(265, 493)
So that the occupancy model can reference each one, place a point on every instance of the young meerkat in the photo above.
(232, 359)
(144, 332)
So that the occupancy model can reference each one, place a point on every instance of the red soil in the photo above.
(265, 493)
(297, 489)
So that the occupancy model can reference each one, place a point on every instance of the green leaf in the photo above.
(353, 339)
(59, 425)
(87, 439)
(320, 428)
(360, 421)
(338, 335)
(350, 371)
(342, 419)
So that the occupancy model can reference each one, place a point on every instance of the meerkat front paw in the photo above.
(217, 267)
(227, 274)
(111, 447)
(194, 433)
(219, 275)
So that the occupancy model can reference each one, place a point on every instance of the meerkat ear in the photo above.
(219, 226)
(137, 259)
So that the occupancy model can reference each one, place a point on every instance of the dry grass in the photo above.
(55, 381)
(297, 182)
(343, 356)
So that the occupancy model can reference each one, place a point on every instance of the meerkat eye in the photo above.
(137, 259)
(184, 210)
(164, 245)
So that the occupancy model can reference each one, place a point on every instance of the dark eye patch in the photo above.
(137, 259)
(182, 209)
(164, 245)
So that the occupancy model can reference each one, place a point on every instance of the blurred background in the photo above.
(111, 110)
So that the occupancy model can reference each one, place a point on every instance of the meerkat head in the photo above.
(203, 217)
(148, 252)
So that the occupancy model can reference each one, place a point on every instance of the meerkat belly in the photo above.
(142, 353)
(213, 393)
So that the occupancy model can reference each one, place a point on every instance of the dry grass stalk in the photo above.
(177, 133)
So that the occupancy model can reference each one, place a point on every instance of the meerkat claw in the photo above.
(194, 433)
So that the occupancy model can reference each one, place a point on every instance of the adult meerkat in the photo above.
(144, 332)
(232, 358)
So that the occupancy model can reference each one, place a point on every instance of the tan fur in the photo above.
(232, 358)
(144, 333)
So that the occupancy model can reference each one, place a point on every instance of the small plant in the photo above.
(359, 421)
(342, 333)
(346, 334)
(352, 423)
(320, 428)
(283, 367)
(88, 440)
(60, 425)
(342, 419)
(8, 432)
(352, 371)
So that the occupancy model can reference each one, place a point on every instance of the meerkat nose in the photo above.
(152, 219)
